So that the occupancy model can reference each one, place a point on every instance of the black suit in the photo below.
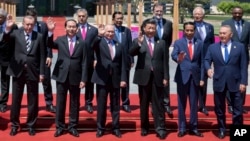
(91, 34)
(149, 74)
(107, 75)
(167, 37)
(208, 40)
(244, 39)
(5, 55)
(43, 29)
(126, 42)
(68, 72)
(25, 68)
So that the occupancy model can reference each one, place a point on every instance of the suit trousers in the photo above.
(220, 108)
(152, 93)
(61, 101)
(102, 95)
(5, 85)
(166, 91)
(89, 88)
(47, 87)
(185, 91)
(125, 92)
(203, 94)
(17, 95)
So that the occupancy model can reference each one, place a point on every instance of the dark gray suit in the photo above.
(25, 68)
(149, 74)
(68, 72)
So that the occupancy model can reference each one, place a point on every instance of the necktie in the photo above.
(150, 47)
(1, 29)
(28, 42)
(111, 49)
(190, 49)
(118, 34)
(226, 55)
(83, 32)
(238, 29)
(71, 47)
(159, 29)
(201, 32)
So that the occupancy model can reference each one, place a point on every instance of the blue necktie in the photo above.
(226, 55)
(118, 34)
(238, 29)
(159, 29)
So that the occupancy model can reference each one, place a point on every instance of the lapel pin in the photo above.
(234, 46)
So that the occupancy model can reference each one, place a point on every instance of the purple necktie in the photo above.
(71, 47)
(150, 47)
(83, 33)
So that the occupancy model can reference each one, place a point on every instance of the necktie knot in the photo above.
(1, 29)
(226, 53)
(238, 23)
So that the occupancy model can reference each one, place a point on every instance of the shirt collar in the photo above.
(73, 38)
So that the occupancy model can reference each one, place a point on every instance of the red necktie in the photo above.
(71, 47)
(83, 32)
(150, 47)
(190, 50)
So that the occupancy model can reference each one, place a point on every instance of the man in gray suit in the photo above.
(241, 33)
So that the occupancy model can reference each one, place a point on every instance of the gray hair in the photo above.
(3, 12)
(82, 10)
(196, 8)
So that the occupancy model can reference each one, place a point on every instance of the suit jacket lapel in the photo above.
(145, 44)
(76, 45)
(219, 53)
(66, 44)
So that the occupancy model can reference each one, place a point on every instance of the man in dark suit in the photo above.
(124, 37)
(88, 33)
(109, 76)
(164, 32)
(70, 73)
(230, 74)
(42, 28)
(5, 55)
(205, 32)
(26, 67)
(241, 33)
(187, 52)
(151, 75)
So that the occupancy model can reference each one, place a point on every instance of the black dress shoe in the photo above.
(117, 133)
(245, 111)
(204, 111)
(3, 109)
(99, 133)
(196, 133)
(144, 132)
(126, 108)
(221, 135)
(50, 108)
(13, 131)
(74, 132)
(181, 134)
(32, 132)
(89, 109)
(161, 136)
(58, 132)
(168, 110)
(230, 109)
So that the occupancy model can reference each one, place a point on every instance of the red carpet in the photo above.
(130, 123)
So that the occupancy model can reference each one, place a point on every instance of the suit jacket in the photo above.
(167, 32)
(159, 62)
(229, 74)
(91, 34)
(126, 42)
(245, 34)
(5, 49)
(187, 66)
(106, 67)
(33, 61)
(74, 67)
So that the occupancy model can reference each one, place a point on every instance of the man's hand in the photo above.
(140, 38)
(181, 56)
(165, 82)
(48, 61)
(9, 22)
(41, 78)
(101, 30)
(51, 24)
(202, 83)
(210, 73)
(123, 84)
(82, 85)
(242, 88)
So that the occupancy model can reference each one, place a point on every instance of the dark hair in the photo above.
(66, 22)
(116, 13)
(188, 23)
(237, 7)
(156, 5)
(31, 12)
(147, 21)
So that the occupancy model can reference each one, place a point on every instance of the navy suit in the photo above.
(227, 77)
(126, 42)
(91, 34)
(188, 75)
(244, 39)
(208, 40)
(107, 75)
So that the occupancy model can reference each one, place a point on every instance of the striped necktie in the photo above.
(28, 42)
